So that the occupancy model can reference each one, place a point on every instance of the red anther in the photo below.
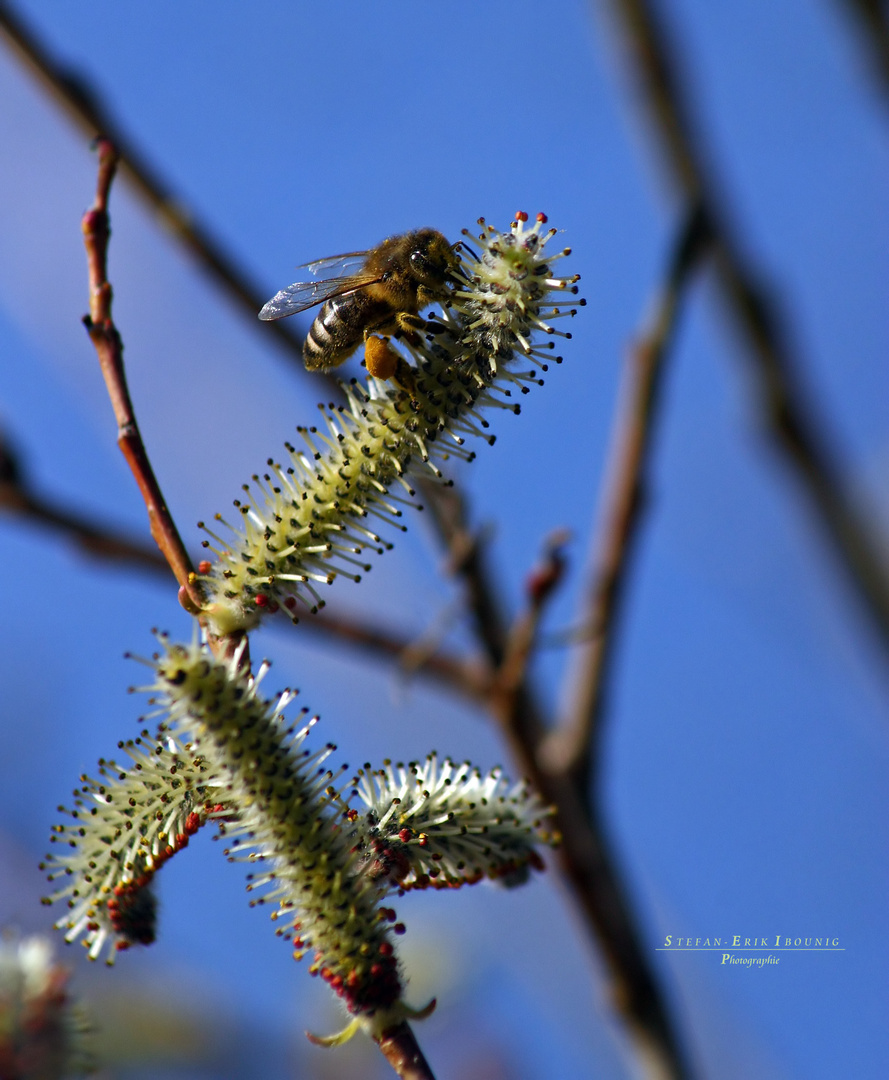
(353, 979)
(290, 603)
(273, 606)
(261, 600)
(542, 218)
(385, 949)
(376, 970)
(192, 823)
(121, 946)
(399, 928)
(204, 566)
(405, 835)
(522, 216)
(423, 840)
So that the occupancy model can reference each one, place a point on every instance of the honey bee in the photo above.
(378, 291)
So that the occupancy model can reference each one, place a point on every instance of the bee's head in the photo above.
(433, 259)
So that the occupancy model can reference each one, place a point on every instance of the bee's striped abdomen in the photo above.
(339, 328)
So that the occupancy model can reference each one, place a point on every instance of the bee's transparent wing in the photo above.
(337, 265)
(306, 294)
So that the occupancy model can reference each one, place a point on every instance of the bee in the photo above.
(379, 291)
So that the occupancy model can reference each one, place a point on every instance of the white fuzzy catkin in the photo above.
(225, 754)
(313, 516)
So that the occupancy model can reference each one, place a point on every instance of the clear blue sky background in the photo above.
(747, 747)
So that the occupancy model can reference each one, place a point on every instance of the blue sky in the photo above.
(747, 746)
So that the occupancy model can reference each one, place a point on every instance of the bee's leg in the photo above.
(383, 362)
(410, 327)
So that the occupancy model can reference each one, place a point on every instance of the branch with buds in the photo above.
(330, 849)
(224, 754)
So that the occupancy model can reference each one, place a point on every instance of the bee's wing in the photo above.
(337, 265)
(305, 294)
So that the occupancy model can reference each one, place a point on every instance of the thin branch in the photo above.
(101, 543)
(786, 401)
(540, 587)
(84, 105)
(575, 746)
(400, 1048)
(456, 674)
(19, 500)
(467, 560)
(109, 349)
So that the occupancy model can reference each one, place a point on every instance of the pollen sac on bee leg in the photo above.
(380, 358)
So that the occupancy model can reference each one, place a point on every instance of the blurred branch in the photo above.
(467, 561)
(540, 588)
(17, 499)
(585, 855)
(786, 402)
(85, 106)
(872, 18)
(453, 673)
(575, 746)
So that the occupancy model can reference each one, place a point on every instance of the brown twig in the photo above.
(109, 349)
(86, 108)
(540, 587)
(399, 1047)
(786, 402)
(575, 745)
(467, 561)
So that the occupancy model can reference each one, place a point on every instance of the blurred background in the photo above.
(745, 755)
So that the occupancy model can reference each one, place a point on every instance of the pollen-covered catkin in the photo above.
(290, 821)
(314, 515)
(442, 825)
(223, 754)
